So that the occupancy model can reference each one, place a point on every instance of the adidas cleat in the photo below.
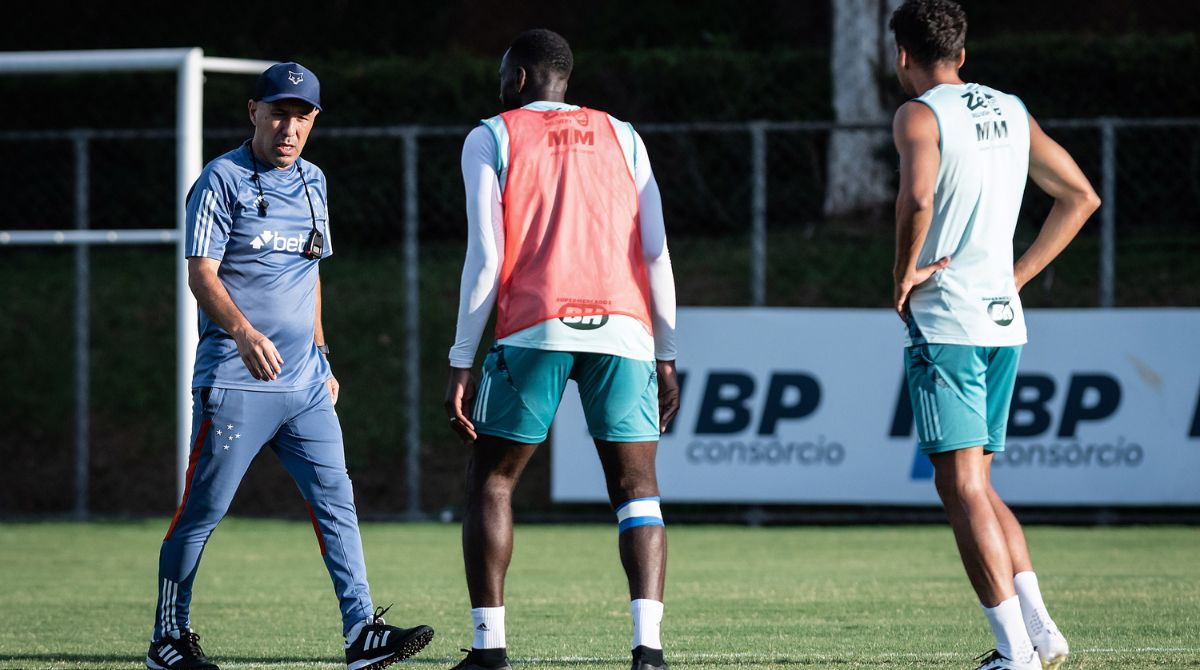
(373, 644)
(484, 659)
(645, 658)
(179, 650)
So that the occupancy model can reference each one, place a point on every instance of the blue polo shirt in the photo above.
(262, 267)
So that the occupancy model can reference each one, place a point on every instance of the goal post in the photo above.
(189, 64)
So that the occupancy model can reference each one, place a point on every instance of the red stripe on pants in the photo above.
(316, 527)
(187, 487)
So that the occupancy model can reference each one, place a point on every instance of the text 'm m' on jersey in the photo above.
(984, 145)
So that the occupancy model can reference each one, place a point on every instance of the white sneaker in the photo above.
(1050, 644)
(1052, 648)
(994, 660)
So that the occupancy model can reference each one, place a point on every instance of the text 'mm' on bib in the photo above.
(572, 245)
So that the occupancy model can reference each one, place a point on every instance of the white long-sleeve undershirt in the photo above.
(622, 336)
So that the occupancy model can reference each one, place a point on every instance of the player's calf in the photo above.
(646, 613)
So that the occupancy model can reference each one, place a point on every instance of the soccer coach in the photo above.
(257, 229)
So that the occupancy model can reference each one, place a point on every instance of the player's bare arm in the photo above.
(319, 339)
(915, 131)
(258, 353)
(1056, 173)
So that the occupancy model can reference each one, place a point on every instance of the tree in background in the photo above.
(862, 46)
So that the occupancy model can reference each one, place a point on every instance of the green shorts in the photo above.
(520, 390)
(960, 394)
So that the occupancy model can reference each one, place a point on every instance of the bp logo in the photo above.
(583, 318)
(1000, 311)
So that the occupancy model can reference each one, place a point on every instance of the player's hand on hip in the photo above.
(259, 355)
(668, 394)
(460, 398)
(334, 388)
(1019, 281)
(911, 280)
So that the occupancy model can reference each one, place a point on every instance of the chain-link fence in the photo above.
(90, 330)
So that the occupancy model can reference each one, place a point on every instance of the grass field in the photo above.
(82, 596)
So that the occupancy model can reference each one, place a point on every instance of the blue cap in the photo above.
(288, 80)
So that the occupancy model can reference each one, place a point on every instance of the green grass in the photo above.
(82, 596)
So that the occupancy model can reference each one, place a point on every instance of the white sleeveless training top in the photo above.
(984, 144)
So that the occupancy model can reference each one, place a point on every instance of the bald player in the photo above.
(966, 151)
(566, 240)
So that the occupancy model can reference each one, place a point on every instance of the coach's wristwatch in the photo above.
(324, 349)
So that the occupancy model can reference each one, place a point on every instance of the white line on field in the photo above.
(759, 657)
(750, 656)
(712, 656)
(1142, 650)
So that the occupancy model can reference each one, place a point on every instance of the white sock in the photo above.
(489, 627)
(1033, 609)
(647, 619)
(1009, 628)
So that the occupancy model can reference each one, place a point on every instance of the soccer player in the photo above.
(257, 228)
(965, 153)
(566, 239)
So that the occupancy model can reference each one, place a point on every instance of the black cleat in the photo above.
(378, 645)
(645, 658)
(484, 659)
(178, 653)
(994, 660)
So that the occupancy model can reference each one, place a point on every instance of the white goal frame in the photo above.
(189, 64)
